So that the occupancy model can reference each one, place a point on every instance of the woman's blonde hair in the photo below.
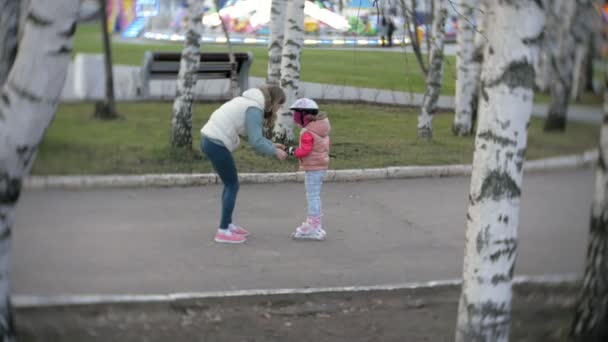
(274, 98)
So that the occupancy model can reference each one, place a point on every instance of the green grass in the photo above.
(363, 136)
(351, 67)
(370, 69)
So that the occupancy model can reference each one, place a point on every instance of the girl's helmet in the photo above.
(304, 106)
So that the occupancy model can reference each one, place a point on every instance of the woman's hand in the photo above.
(281, 146)
(280, 154)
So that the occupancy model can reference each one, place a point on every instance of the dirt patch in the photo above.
(540, 313)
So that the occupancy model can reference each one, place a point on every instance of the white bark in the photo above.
(234, 83)
(592, 309)
(277, 35)
(547, 46)
(580, 53)
(582, 32)
(181, 123)
(466, 75)
(9, 26)
(435, 74)
(562, 60)
(25, 4)
(493, 211)
(290, 68)
(27, 105)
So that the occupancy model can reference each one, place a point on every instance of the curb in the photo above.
(27, 301)
(199, 179)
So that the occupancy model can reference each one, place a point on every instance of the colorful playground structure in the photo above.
(247, 20)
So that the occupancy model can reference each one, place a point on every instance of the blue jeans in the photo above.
(223, 163)
(313, 181)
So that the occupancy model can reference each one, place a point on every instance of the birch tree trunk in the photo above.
(562, 60)
(493, 211)
(466, 76)
(547, 45)
(435, 75)
(410, 19)
(24, 7)
(277, 36)
(27, 106)
(480, 43)
(591, 317)
(290, 69)
(181, 123)
(582, 33)
(9, 26)
(234, 83)
(106, 109)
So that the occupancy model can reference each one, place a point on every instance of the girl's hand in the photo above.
(281, 146)
(280, 154)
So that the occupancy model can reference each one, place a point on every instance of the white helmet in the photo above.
(305, 105)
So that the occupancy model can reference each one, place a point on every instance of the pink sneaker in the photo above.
(226, 236)
(238, 230)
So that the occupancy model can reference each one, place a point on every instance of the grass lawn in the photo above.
(363, 136)
(367, 69)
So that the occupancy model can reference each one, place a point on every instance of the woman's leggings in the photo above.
(223, 163)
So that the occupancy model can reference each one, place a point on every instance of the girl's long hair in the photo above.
(274, 98)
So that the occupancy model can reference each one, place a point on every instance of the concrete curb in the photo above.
(397, 172)
(28, 301)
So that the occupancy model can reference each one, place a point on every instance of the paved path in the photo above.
(159, 240)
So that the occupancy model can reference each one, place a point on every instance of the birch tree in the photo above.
(290, 68)
(466, 69)
(278, 10)
(234, 85)
(106, 109)
(562, 60)
(585, 22)
(9, 26)
(181, 123)
(410, 19)
(547, 45)
(435, 74)
(27, 106)
(591, 315)
(493, 210)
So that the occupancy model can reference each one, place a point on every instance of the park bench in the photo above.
(213, 65)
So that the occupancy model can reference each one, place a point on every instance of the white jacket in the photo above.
(227, 123)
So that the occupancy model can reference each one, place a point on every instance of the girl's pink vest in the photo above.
(318, 159)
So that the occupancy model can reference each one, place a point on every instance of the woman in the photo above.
(246, 115)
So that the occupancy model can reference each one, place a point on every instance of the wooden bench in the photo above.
(213, 65)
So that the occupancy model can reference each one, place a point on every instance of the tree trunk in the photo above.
(234, 82)
(582, 32)
(410, 19)
(290, 69)
(9, 26)
(493, 211)
(28, 104)
(542, 65)
(106, 109)
(434, 77)
(590, 59)
(580, 54)
(480, 43)
(277, 36)
(466, 76)
(591, 317)
(25, 5)
(562, 60)
(181, 123)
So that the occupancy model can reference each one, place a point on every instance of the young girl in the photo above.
(313, 154)
(245, 115)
